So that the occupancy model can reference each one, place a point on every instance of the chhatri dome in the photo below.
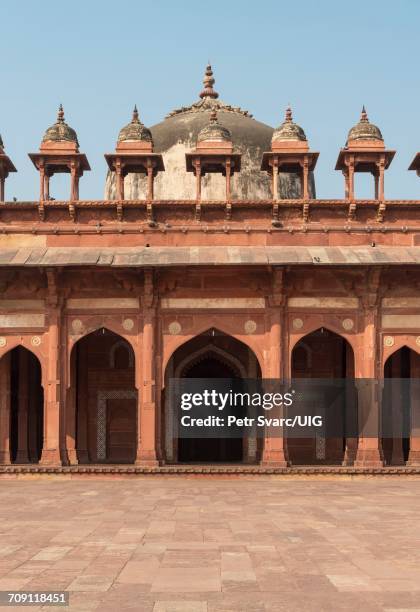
(364, 130)
(177, 135)
(214, 131)
(288, 130)
(60, 131)
(135, 130)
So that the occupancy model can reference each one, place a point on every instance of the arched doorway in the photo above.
(212, 354)
(22, 406)
(104, 398)
(324, 354)
(398, 400)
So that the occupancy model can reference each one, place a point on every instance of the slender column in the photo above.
(305, 178)
(51, 448)
(82, 408)
(23, 400)
(119, 180)
(197, 180)
(275, 178)
(47, 186)
(2, 181)
(76, 186)
(42, 182)
(414, 453)
(346, 183)
(150, 181)
(73, 170)
(350, 410)
(146, 422)
(376, 177)
(228, 173)
(397, 408)
(369, 448)
(275, 453)
(381, 194)
(5, 409)
(351, 180)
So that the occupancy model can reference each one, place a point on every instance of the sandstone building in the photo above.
(210, 256)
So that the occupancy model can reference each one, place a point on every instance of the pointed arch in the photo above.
(331, 357)
(174, 343)
(120, 338)
(210, 354)
(22, 406)
(101, 415)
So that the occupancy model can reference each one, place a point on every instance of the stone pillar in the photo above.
(275, 448)
(397, 408)
(146, 420)
(275, 184)
(197, 180)
(228, 172)
(376, 177)
(51, 448)
(414, 452)
(369, 448)
(23, 400)
(5, 409)
(351, 180)
(381, 192)
(150, 180)
(42, 182)
(47, 186)
(82, 407)
(73, 173)
(305, 172)
(71, 413)
(119, 180)
(351, 407)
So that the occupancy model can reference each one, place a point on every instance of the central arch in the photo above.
(211, 354)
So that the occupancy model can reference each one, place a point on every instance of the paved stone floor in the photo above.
(214, 544)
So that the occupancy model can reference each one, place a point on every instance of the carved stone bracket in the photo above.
(72, 211)
(41, 211)
(352, 211)
(120, 211)
(380, 215)
(305, 212)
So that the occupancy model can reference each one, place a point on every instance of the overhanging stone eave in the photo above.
(140, 257)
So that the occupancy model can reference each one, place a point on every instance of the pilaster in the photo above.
(146, 420)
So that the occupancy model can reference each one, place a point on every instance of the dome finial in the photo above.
(135, 118)
(289, 116)
(208, 82)
(1, 143)
(60, 115)
(363, 116)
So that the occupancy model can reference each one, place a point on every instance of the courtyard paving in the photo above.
(214, 544)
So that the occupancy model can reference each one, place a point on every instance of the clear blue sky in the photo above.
(98, 58)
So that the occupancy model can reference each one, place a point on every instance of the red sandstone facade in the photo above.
(103, 301)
